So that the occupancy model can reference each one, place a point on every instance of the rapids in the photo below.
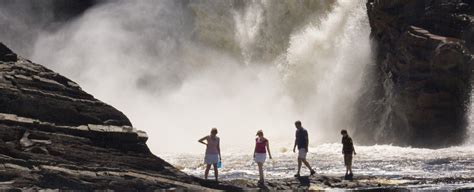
(384, 161)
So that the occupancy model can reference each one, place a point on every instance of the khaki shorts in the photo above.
(348, 159)
(211, 159)
(260, 157)
(302, 153)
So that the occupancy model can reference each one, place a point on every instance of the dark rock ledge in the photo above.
(53, 135)
(360, 183)
(31, 90)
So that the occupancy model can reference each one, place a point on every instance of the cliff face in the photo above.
(30, 90)
(23, 21)
(421, 84)
(54, 135)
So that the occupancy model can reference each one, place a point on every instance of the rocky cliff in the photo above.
(21, 22)
(54, 135)
(420, 85)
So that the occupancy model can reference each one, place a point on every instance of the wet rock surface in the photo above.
(419, 88)
(358, 183)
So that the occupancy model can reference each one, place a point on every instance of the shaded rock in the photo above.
(6, 54)
(360, 183)
(31, 90)
(418, 92)
(53, 135)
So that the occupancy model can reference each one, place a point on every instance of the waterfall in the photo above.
(470, 118)
(326, 66)
(179, 68)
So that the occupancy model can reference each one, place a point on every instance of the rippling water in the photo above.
(378, 160)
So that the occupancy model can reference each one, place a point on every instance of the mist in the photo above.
(179, 68)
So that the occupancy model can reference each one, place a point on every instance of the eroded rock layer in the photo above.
(421, 84)
(54, 135)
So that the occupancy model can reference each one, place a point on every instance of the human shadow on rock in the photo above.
(304, 181)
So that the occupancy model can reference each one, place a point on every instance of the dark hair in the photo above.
(298, 122)
(343, 131)
(214, 130)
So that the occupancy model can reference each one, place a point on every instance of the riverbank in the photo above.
(359, 183)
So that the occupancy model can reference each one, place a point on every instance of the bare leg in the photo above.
(206, 172)
(350, 169)
(260, 171)
(307, 164)
(299, 166)
(216, 174)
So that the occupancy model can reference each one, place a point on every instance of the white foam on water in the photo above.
(178, 68)
(380, 160)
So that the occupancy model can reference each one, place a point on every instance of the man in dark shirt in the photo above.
(347, 151)
(302, 142)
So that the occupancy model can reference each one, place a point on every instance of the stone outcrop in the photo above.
(30, 90)
(420, 86)
(53, 135)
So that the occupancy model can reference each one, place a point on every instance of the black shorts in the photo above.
(348, 159)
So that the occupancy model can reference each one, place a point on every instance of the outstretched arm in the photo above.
(202, 140)
(353, 149)
(342, 141)
(219, 149)
(294, 146)
(307, 141)
(268, 149)
(254, 150)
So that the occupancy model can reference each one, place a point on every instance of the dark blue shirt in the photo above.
(301, 138)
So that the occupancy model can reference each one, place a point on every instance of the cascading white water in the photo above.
(247, 26)
(326, 66)
(176, 68)
(470, 118)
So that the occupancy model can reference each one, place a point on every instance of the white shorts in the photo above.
(211, 158)
(302, 153)
(260, 157)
